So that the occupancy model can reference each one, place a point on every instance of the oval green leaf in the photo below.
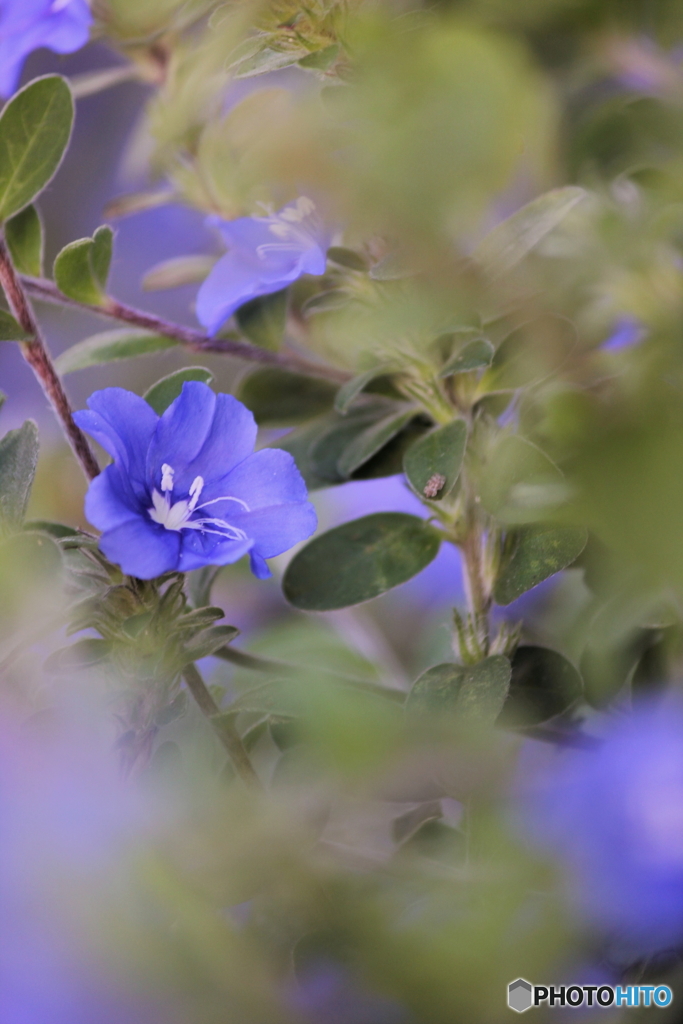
(166, 390)
(371, 440)
(278, 398)
(24, 235)
(35, 128)
(359, 560)
(18, 460)
(535, 554)
(473, 692)
(110, 347)
(433, 463)
(543, 684)
(475, 355)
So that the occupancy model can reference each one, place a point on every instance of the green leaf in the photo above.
(353, 388)
(18, 460)
(326, 302)
(529, 354)
(299, 443)
(81, 269)
(177, 272)
(166, 390)
(276, 697)
(433, 463)
(544, 684)
(263, 320)
(208, 641)
(35, 128)
(199, 584)
(536, 553)
(359, 560)
(372, 440)
(101, 253)
(509, 242)
(338, 432)
(516, 481)
(475, 692)
(279, 398)
(347, 258)
(110, 347)
(24, 234)
(320, 60)
(10, 330)
(81, 655)
(475, 355)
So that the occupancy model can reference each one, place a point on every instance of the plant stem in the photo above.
(37, 356)
(477, 589)
(197, 341)
(223, 726)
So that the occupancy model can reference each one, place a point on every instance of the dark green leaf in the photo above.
(24, 234)
(35, 128)
(166, 390)
(372, 440)
(110, 347)
(279, 398)
(509, 242)
(299, 443)
(263, 320)
(57, 530)
(347, 258)
(475, 692)
(83, 654)
(543, 684)
(10, 330)
(536, 553)
(349, 391)
(433, 463)
(338, 432)
(359, 560)
(389, 460)
(18, 460)
(474, 355)
(177, 272)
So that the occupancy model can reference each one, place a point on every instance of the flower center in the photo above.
(178, 515)
(294, 226)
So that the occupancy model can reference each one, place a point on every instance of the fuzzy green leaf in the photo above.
(372, 440)
(24, 234)
(475, 692)
(359, 560)
(18, 460)
(474, 355)
(35, 128)
(166, 390)
(110, 347)
(535, 554)
(433, 463)
(278, 398)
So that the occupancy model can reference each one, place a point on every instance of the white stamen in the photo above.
(177, 516)
(167, 474)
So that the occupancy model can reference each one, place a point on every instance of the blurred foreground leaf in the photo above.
(544, 684)
(110, 347)
(278, 398)
(18, 460)
(475, 692)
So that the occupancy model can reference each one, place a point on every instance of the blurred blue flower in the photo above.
(265, 255)
(25, 25)
(627, 331)
(186, 489)
(614, 816)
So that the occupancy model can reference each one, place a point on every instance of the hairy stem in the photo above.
(223, 726)
(37, 356)
(197, 341)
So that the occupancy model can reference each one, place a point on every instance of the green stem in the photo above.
(223, 726)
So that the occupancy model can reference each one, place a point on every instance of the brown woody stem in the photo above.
(223, 726)
(197, 341)
(37, 356)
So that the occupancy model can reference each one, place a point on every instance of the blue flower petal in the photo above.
(278, 528)
(123, 423)
(26, 25)
(142, 548)
(259, 566)
(110, 500)
(268, 477)
(230, 440)
(182, 431)
(198, 550)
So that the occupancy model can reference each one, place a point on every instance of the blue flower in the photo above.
(186, 489)
(614, 816)
(25, 25)
(265, 255)
(627, 332)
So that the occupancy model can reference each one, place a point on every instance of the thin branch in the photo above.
(37, 356)
(197, 341)
(223, 726)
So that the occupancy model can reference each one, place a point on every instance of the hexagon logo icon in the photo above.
(520, 995)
